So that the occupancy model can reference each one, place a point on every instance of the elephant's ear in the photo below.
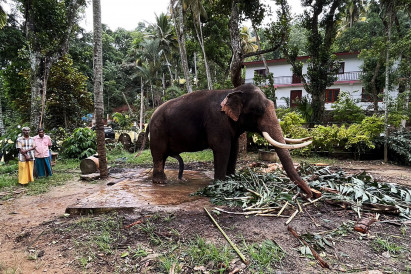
(232, 105)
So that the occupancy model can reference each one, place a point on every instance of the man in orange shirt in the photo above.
(42, 154)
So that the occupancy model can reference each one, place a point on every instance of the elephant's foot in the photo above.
(159, 178)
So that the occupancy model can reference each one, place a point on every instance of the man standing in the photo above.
(42, 154)
(25, 145)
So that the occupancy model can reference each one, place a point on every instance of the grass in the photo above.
(383, 245)
(63, 171)
(103, 234)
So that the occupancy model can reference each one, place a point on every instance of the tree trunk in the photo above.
(387, 83)
(141, 104)
(177, 14)
(236, 58)
(42, 59)
(374, 86)
(2, 129)
(200, 39)
(267, 70)
(98, 88)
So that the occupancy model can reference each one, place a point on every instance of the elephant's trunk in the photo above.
(269, 124)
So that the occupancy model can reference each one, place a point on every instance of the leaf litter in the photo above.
(269, 193)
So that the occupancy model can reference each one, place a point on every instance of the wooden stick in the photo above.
(255, 193)
(299, 206)
(313, 201)
(315, 254)
(133, 224)
(291, 217)
(312, 219)
(239, 213)
(228, 239)
(282, 209)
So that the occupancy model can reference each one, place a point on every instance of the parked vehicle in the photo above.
(108, 132)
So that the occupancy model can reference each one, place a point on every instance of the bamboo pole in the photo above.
(227, 238)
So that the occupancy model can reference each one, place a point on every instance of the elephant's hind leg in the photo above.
(180, 165)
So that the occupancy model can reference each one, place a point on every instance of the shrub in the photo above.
(346, 110)
(398, 109)
(81, 144)
(399, 147)
(123, 121)
(357, 137)
(173, 92)
(8, 143)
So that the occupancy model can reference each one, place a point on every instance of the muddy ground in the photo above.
(37, 236)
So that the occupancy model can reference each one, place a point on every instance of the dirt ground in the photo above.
(35, 237)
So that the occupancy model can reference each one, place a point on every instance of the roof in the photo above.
(300, 58)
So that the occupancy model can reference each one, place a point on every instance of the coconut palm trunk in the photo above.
(98, 88)
(177, 14)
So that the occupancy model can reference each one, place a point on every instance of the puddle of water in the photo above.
(140, 192)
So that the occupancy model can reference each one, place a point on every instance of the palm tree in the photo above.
(3, 17)
(149, 63)
(163, 32)
(198, 11)
(177, 14)
(98, 88)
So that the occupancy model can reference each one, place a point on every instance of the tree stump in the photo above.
(89, 165)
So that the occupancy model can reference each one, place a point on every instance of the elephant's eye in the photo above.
(259, 110)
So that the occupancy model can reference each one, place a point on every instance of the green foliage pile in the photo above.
(81, 144)
(251, 189)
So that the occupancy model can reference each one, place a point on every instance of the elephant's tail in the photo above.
(143, 144)
(180, 165)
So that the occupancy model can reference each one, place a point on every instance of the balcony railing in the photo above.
(288, 80)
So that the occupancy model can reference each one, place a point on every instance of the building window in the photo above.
(367, 97)
(295, 97)
(331, 95)
(296, 79)
(260, 72)
(341, 67)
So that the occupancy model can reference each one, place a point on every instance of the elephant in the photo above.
(215, 119)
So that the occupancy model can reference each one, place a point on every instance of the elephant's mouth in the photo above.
(298, 143)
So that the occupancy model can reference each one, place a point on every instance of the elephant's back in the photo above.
(181, 122)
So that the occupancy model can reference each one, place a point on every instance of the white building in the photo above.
(290, 86)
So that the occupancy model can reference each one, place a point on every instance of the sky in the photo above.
(128, 13)
(125, 13)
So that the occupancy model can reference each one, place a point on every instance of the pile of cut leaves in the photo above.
(268, 194)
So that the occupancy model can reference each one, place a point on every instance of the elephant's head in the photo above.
(250, 109)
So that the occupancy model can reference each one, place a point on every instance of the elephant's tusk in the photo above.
(296, 141)
(281, 145)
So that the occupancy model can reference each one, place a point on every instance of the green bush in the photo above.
(398, 109)
(356, 138)
(346, 110)
(123, 121)
(8, 142)
(173, 92)
(81, 144)
(399, 147)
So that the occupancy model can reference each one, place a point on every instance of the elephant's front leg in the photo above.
(159, 177)
(232, 161)
(221, 157)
